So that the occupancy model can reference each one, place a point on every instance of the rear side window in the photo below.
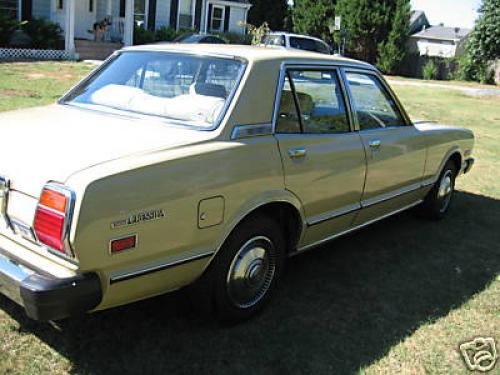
(303, 43)
(312, 102)
(274, 40)
(373, 105)
(322, 48)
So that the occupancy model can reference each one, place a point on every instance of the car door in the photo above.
(323, 158)
(395, 151)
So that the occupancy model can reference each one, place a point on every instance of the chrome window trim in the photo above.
(315, 65)
(217, 123)
(387, 88)
(249, 131)
(127, 275)
(332, 237)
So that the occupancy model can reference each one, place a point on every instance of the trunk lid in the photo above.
(56, 141)
(52, 143)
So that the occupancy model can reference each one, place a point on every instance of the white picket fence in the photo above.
(22, 54)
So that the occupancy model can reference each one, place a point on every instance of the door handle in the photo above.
(375, 144)
(295, 153)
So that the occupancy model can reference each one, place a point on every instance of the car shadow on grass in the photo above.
(341, 307)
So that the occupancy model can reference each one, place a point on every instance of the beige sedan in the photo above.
(206, 166)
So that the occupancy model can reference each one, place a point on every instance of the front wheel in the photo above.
(438, 200)
(247, 269)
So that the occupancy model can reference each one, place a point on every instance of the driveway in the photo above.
(466, 90)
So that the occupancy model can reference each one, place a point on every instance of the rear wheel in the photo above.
(438, 200)
(247, 269)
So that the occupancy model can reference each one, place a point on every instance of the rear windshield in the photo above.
(191, 90)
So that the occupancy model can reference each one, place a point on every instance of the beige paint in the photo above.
(119, 166)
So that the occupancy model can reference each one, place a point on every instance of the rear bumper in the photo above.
(45, 297)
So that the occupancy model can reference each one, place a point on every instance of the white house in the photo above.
(438, 41)
(77, 17)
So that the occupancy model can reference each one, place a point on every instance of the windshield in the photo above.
(192, 90)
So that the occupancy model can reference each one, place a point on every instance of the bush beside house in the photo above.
(36, 33)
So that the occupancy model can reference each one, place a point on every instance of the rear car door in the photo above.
(323, 158)
(395, 151)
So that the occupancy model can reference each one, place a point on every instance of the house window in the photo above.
(91, 6)
(217, 24)
(60, 4)
(9, 8)
(122, 8)
(140, 11)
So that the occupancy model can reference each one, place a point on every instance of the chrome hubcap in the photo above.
(251, 272)
(445, 190)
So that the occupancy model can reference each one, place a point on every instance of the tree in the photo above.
(272, 12)
(392, 51)
(368, 23)
(483, 45)
(313, 17)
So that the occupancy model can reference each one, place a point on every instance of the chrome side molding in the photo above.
(329, 238)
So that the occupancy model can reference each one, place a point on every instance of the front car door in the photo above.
(395, 151)
(323, 158)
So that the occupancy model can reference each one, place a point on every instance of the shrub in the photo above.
(143, 36)
(430, 70)
(165, 34)
(44, 34)
(8, 27)
(235, 38)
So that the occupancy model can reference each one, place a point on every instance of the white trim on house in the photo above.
(69, 30)
(193, 13)
(128, 35)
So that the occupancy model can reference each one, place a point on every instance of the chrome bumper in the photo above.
(45, 297)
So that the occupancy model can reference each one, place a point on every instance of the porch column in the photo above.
(128, 35)
(69, 29)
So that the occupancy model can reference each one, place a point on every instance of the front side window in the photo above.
(192, 90)
(373, 105)
(312, 102)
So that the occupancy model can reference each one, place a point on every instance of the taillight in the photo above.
(52, 217)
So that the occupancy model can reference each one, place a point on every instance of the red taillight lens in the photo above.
(49, 228)
(52, 216)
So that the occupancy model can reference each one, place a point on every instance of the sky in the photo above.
(454, 13)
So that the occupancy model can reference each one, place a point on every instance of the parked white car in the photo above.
(296, 41)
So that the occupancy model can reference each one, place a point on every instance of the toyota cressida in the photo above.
(206, 166)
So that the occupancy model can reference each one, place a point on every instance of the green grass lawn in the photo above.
(395, 298)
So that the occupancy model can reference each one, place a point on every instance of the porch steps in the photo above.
(90, 50)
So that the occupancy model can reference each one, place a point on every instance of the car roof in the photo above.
(249, 53)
